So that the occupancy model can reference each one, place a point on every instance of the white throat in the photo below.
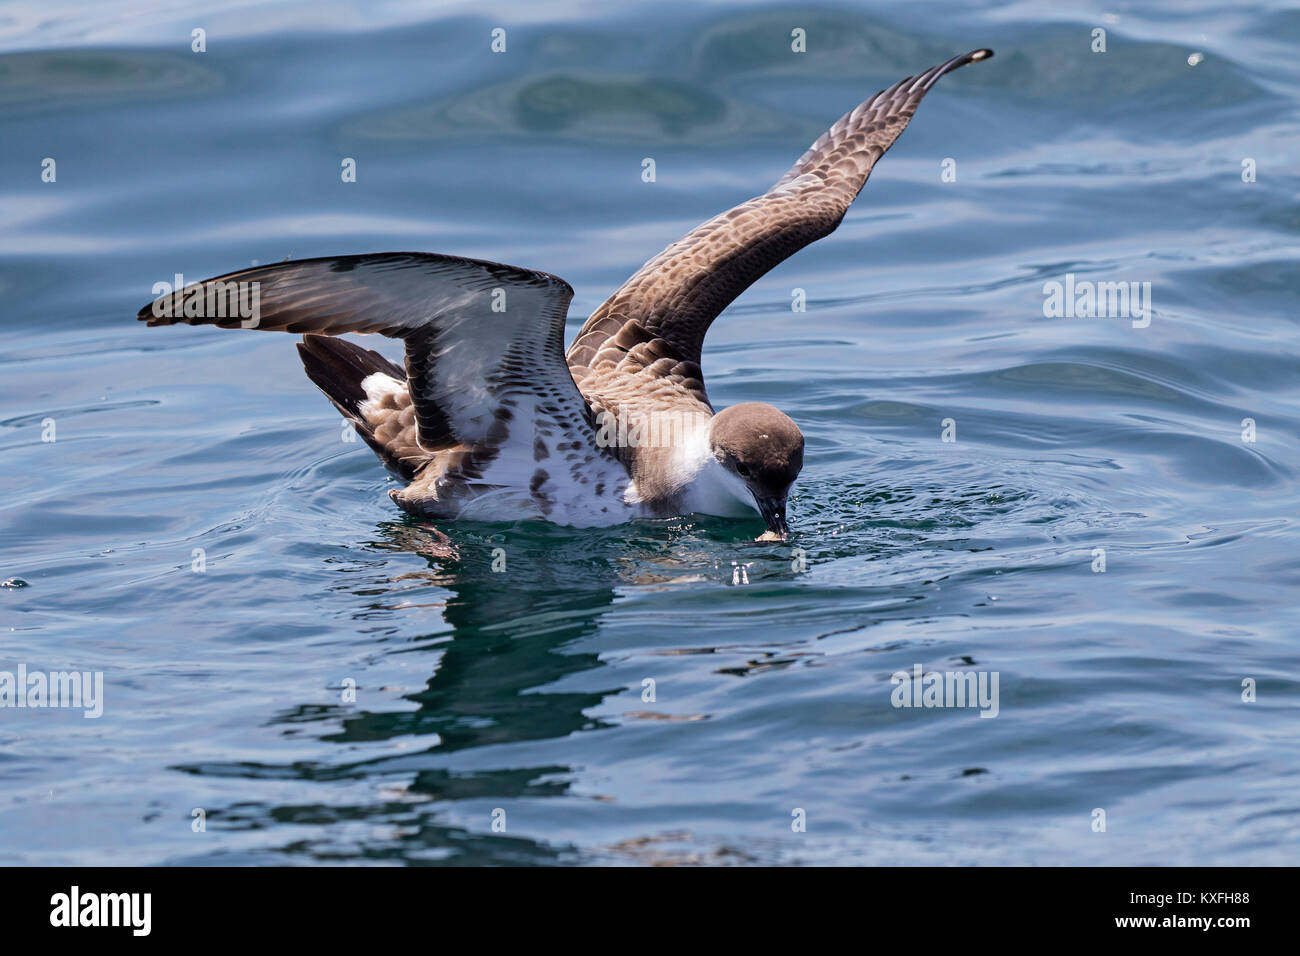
(709, 487)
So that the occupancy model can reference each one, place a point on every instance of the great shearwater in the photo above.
(492, 419)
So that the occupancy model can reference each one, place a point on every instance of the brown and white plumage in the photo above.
(491, 418)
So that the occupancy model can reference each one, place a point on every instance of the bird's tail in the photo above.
(338, 367)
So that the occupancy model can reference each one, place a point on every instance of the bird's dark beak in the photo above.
(773, 512)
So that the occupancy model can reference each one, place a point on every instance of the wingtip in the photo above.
(926, 80)
(146, 314)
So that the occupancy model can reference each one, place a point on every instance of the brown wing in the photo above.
(484, 341)
(659, 317)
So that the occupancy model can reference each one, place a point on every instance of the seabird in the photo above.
(492, 419)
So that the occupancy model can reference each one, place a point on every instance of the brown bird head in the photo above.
(763, 447)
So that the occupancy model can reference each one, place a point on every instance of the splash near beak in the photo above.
(773, 512)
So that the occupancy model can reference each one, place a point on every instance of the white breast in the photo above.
(716, 491)
(707, 487)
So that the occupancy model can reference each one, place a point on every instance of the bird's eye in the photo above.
(742, 470)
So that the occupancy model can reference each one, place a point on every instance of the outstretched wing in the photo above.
(666, 308)
(481, 338)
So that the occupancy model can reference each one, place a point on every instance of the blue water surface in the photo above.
(202, 531)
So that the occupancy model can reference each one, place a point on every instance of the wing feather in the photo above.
(675, 296)
(480, 337)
